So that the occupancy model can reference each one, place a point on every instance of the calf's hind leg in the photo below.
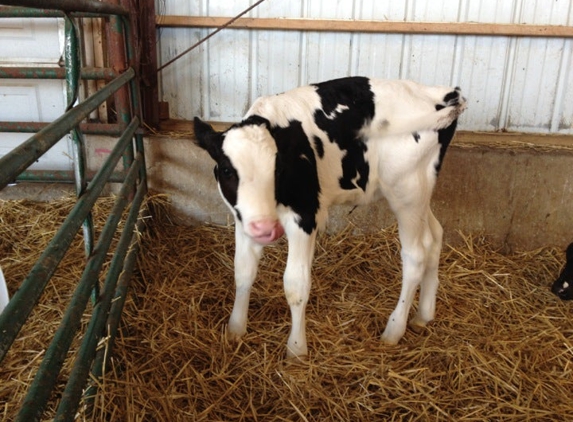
(430, 281)
(419, 251)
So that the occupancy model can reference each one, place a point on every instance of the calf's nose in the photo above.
(265, 231)
(263, 227)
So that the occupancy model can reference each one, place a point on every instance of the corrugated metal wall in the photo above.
(514, 84)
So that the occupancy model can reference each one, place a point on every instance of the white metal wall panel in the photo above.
(32, 42)
(515, 84)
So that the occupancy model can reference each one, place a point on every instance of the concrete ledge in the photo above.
(515, 188)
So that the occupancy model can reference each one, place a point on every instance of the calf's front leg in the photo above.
(247, 257)
(297, 282)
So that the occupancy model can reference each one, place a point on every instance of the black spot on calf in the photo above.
(445, 136)
(354, 100)
(296, 175)
(563, 286)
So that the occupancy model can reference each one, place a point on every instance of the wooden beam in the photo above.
(337, 25)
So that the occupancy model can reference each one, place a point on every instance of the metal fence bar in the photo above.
(110, 129)
(73, 66)
(86, 6)
(46, 377)
(86, 73)
(78, 151)
(62, 176)
(96, 328)
(72, 61)
(108, 307)
(21, 157)
(23, 301)
(113, 319)
(25, 12)
(139, 147)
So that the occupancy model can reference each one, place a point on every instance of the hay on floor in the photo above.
(501, 347)
(26, 228)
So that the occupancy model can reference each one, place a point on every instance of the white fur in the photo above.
(257, 179)
(401, 169)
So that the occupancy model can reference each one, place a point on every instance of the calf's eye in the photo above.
(226, 172)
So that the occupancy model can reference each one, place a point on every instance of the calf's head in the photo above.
(245, 172)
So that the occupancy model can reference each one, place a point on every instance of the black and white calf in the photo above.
(349, 140)
(563, 286)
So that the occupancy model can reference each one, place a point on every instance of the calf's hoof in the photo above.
(418, 324)
(296, 351)
(395, 329)
(234, 334)
(390, 339)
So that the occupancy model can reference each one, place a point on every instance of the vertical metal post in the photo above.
(73, 66)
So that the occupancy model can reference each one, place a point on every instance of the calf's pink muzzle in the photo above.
(265, 231)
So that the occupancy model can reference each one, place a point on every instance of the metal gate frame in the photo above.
(110, 297)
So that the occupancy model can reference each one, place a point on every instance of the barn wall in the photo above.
(519, 196)
(514, 84)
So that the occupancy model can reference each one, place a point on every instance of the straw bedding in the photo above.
(501, 347)
(26, 228)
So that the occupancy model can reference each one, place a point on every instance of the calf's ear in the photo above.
(207, 138)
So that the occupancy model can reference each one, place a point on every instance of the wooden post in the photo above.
(148, 63)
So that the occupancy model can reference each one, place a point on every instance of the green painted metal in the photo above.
(24, 12)
(109, 129)
(79, 158)
(86, 73)
(140, 147)
(72, 66)
(103, 354)
(21, 157)
(62, 176)
(87, 351)
(129, 148)
(18, 309)
(85, 6)
(46, 377)
(72, 61)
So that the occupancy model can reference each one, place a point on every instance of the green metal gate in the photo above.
(110, 296)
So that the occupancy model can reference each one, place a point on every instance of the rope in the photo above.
(201, 41)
